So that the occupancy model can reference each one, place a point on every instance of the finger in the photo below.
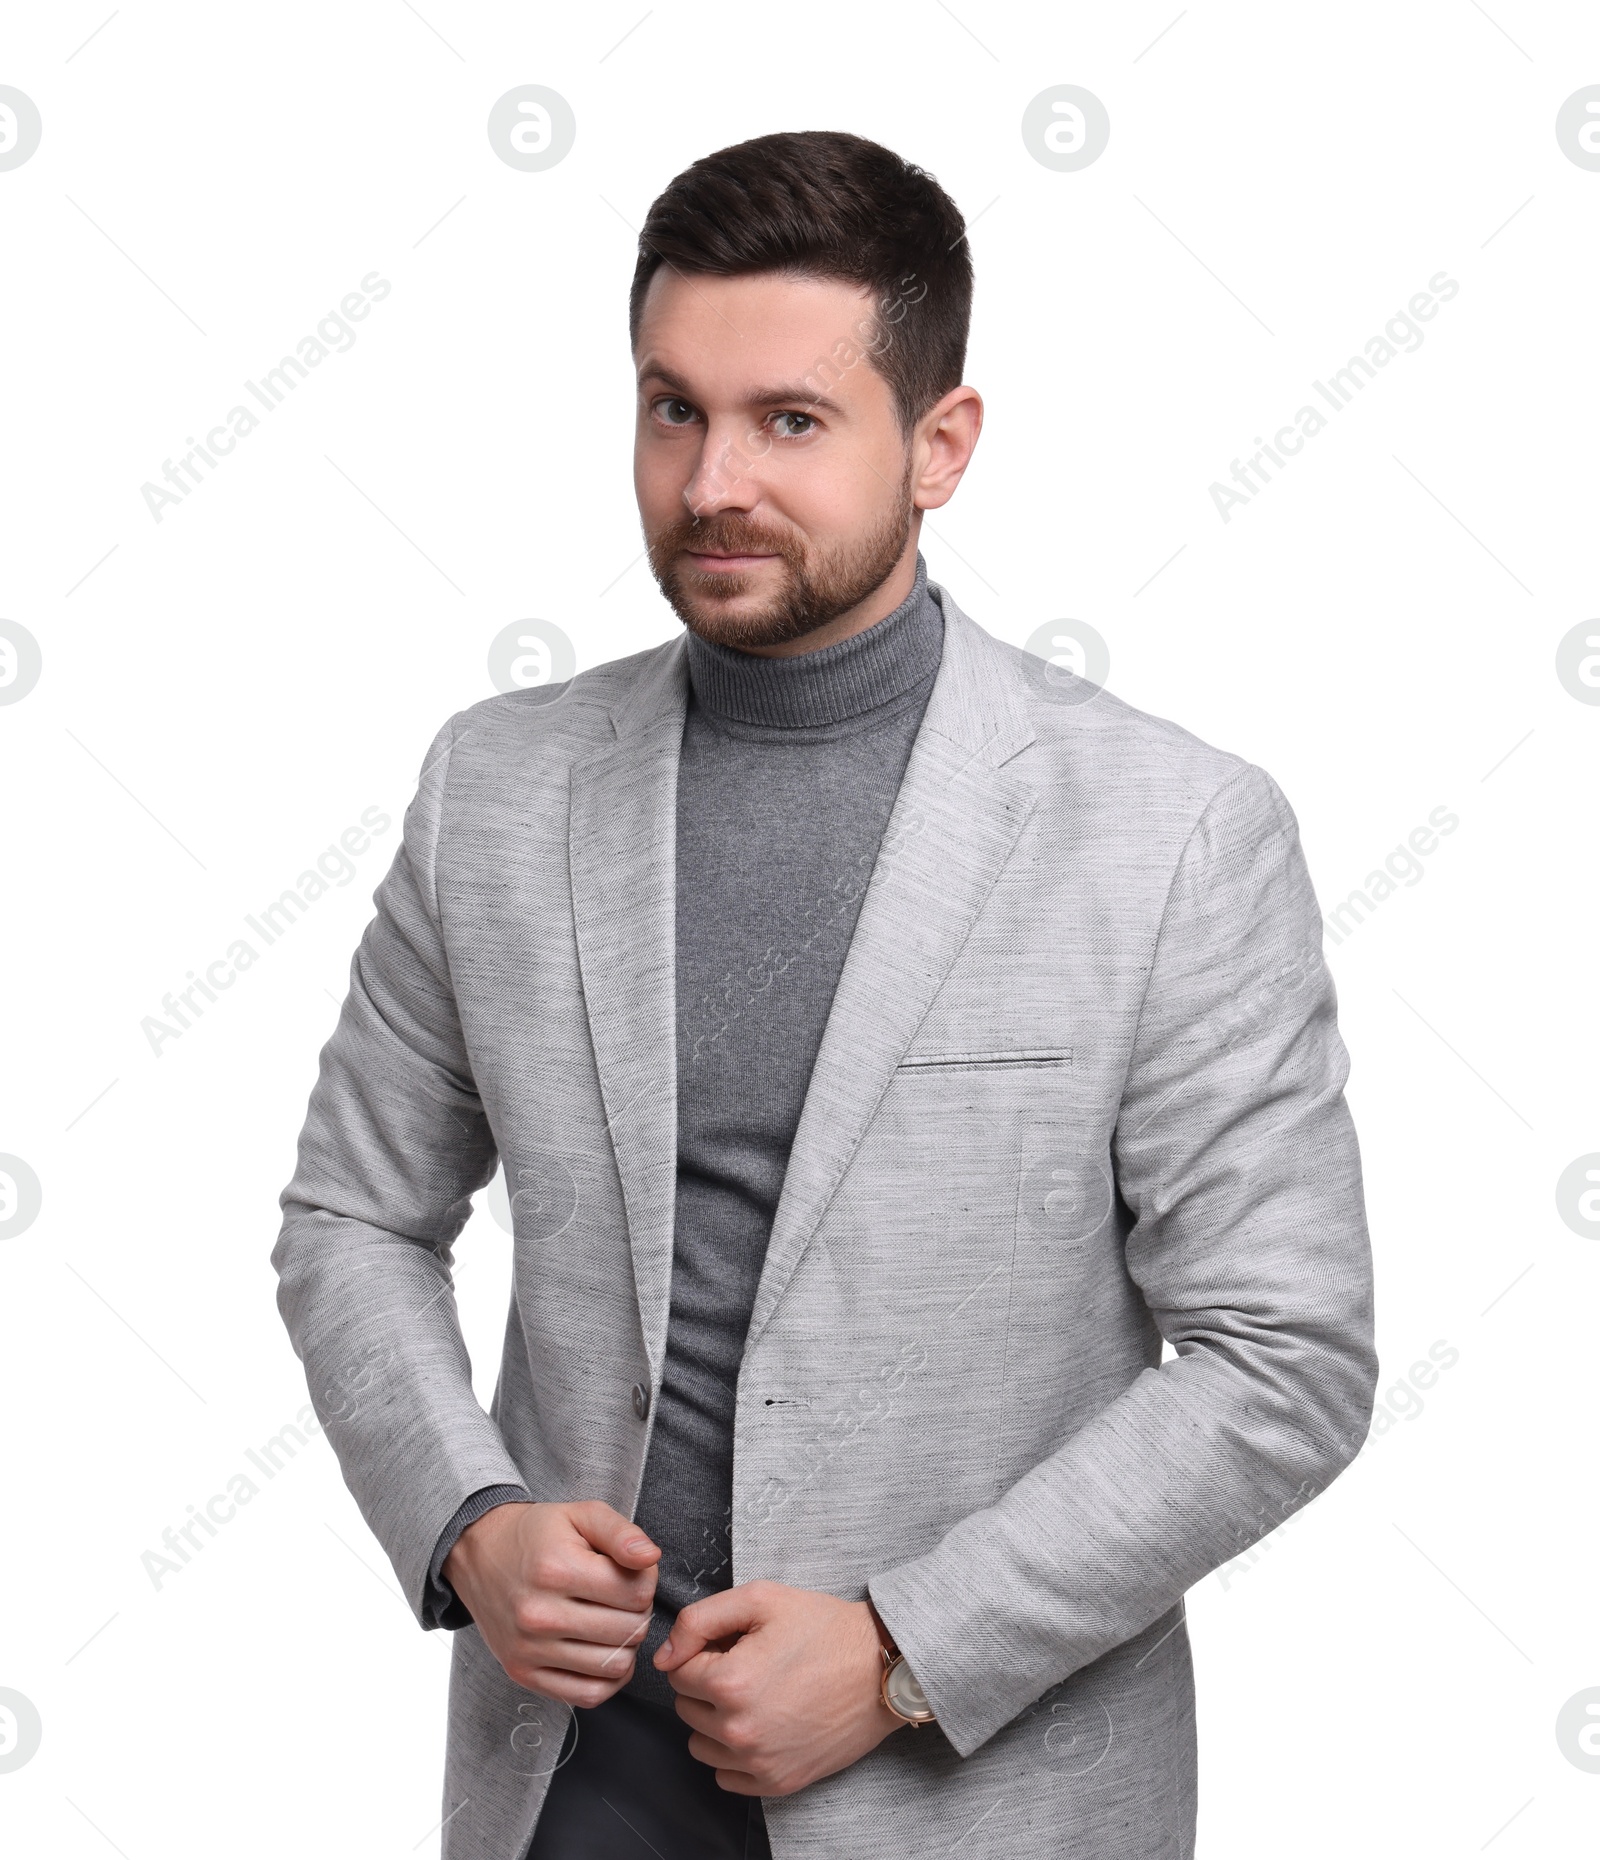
(698, 1713)
(614, 1535)
(725, 1762)
(588, 1575)
(707, 1748)
(694, 1678)
(733, 1611)
(738, 1782)
(548, 1619)
(588, 1659)
(571, 1688)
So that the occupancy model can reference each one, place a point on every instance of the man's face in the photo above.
(774, 482)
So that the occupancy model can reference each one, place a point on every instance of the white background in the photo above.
(225, 691)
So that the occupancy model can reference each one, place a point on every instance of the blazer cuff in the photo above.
(441, 1606)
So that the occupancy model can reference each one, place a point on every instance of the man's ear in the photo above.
(944, 441)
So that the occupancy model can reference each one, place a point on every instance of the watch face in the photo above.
(905, 1695)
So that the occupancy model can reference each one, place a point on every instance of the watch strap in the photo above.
(885, 1639)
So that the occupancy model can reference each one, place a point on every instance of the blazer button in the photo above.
(641, 1400)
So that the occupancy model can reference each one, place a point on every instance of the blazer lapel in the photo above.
(622, 848)
(955, 821)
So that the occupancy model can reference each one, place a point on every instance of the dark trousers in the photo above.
(629, 1787)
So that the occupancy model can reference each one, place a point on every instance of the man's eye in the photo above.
(674, 412)
(786, 430)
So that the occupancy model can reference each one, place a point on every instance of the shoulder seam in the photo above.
(438, 824)
(1248, 768)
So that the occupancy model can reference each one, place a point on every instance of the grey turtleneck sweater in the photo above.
(788, 773)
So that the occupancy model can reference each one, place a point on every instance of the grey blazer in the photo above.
(1081, 1091)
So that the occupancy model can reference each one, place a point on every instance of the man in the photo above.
(889, 1041)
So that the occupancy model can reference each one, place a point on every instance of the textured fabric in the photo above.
(442, 1606)
(788, 770)
(627, 1786)
(1080, 1090)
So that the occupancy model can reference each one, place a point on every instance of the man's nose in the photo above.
(723, 478)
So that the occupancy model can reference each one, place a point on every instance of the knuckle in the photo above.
(545, 1569)
(532, 1616)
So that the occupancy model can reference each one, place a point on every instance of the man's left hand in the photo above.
(779, 1685)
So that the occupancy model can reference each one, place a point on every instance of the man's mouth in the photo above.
(719, 562)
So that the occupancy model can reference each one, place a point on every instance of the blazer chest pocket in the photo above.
(1033, 1059)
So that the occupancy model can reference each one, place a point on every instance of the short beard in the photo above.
(817, 587)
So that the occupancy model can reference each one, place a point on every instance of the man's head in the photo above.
(799, 319)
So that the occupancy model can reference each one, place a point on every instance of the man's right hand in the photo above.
(562, 1594)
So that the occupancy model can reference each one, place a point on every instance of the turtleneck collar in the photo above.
(835, 683)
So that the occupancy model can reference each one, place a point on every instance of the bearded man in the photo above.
(938, 1225)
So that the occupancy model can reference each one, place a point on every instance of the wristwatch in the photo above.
(897, 1685)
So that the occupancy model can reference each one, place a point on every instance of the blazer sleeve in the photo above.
(1236, 1158)
(394, 1145)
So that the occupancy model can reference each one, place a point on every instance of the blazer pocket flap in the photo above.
(1021, 1059)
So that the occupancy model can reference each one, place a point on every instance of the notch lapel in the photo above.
(955, 821)
(622, 849)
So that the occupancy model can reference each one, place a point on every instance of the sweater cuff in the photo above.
(442, 1607)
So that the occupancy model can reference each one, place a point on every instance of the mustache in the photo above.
(728, 532)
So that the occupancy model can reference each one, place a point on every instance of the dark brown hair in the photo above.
(822, 203)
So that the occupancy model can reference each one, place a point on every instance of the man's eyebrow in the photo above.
(781, 394)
